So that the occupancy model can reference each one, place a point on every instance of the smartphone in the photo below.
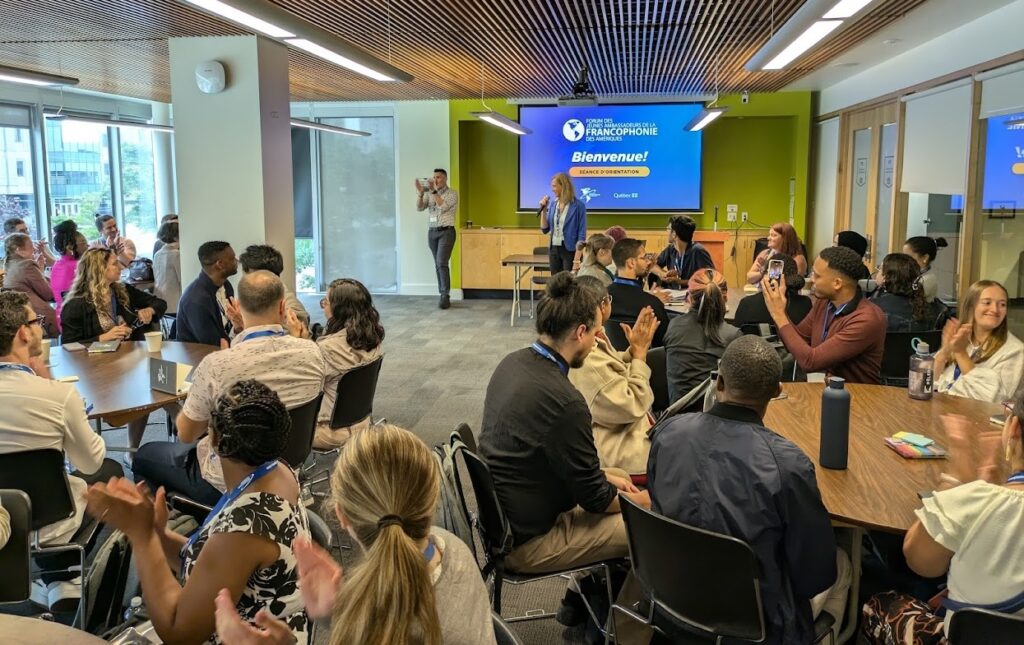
(775, 270)
(997, 419)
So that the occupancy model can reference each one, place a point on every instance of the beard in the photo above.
(35, 347)
(580, 357)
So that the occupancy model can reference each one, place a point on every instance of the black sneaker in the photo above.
(445, 302)
(572, 612)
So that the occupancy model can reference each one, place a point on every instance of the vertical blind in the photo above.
(937, 140)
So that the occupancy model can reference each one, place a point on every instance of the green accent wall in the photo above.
(749, 156)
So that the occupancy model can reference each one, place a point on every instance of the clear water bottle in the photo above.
(835, 425)
(711, 396)
(922, 371)
(134, 609)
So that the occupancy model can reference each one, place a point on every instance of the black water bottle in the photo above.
(835, 425)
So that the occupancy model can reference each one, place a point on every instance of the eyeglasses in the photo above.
(38, 320)
(607, 300)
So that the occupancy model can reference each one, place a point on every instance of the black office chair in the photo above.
(616, 337)
(537, 279)
(465, 434)
(300, 440)
(41, 475)
(899, 347)
(496, 535)
(356, 390)
(659, 378)
(985, 627)
(16, 582)
(689, 572)
(503, 634)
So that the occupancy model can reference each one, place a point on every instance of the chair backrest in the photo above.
(760, 244)
(659, 377)
(899, 348)
(764, 330)
(41, 475)
(356, 389)
(466, 435)
(615, 335)
(687, 572)
(16, 581)
(503, 634)
(984, 627)
(496, 534)
(300, 441)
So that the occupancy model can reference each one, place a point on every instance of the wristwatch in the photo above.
(433, 192)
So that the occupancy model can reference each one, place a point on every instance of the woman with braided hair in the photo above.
(415, 584)
(244, 546)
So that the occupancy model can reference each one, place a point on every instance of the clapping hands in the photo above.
(972, 454)
(641, 333)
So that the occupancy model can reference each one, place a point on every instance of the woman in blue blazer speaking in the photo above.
(566, 219)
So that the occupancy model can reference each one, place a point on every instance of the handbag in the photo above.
(140, 270)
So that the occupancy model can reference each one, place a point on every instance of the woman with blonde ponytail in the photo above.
(416, 584)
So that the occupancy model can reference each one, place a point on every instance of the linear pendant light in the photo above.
(808, 26)
(704, 118)
(28, 77)
(323, 127)
(503, 122)
(270, 20)
(114, 123)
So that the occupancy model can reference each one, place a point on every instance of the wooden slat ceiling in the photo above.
(527, 48)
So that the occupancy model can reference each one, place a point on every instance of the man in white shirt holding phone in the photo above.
(440, 200)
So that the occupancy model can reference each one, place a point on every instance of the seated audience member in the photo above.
(597, 257)
(617, 388)
(110, 239)
(627, 290)
(901, 297)
(782, 240)
(42, 413)
(71, 245)
(724, 471)
(924, 249)
(202, 315)
(23, 274)
(752, 309)
(845, 333)
(43, 257)
(416, 582)
(245, 547)
(170, 217)
(859, 245)
(682, 257)
(980, 358)
(696, 340)
(353, 338)
(537, 440)
(617, 233)
(292, 367)
(966, 531)
(167, 266)
(99, 308)
(263, 257)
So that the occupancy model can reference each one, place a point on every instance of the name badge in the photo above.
(433, 220)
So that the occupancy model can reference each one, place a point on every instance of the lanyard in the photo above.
(546, 353)
(608, 273)
(261, 334)
(428, 553)
(830, 319)
(679, 264)
(226, 499)
(628, 282)
(18, 367)
(1016, 478)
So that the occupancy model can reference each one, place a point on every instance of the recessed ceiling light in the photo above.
(892, 41)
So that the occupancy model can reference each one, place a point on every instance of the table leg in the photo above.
(515, 296)
(852, 602)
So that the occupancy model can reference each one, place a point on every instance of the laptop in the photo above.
(169, 377)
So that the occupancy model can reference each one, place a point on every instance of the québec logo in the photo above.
(573, 130)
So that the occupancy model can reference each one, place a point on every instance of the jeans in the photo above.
(175, 467)
(560, 259)
(442, 241)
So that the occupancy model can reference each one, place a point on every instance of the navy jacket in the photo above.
(575, 229)
(696, 257)
(199, 318)
(724, 471)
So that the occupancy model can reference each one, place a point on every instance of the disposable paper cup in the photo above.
(46, 351)
(154, 339)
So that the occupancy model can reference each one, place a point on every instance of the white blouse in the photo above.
(994, 380)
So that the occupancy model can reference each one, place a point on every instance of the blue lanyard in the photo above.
(226, 499)
(628, 282)
(18, 367)
(428, 553)
(829, 320)
(261, 334)
(546, 353)
(1016, 478)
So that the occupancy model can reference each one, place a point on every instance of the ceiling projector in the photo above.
(582, 93)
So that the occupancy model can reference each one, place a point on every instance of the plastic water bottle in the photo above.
(134, 608)
(835, 425)
(922, 371)
(711, 396)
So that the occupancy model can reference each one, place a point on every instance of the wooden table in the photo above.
(116, 384)
(518, 263)
(732, 301)
(18, 630)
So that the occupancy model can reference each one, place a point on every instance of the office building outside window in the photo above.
(17, 191)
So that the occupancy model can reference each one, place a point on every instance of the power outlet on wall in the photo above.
(744, 216)
(730, 216)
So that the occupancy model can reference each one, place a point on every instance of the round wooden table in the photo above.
(116, 384)
(18, 630)
(878, 489)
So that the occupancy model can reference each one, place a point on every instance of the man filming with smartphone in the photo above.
(440, 200)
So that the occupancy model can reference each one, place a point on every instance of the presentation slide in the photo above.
(620, 157)
(1004, 164)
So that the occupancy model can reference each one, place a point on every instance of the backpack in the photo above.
(140, 270)
(451, 513)
(108, 580)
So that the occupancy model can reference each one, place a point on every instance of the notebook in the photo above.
(908, 450)
(103, 347)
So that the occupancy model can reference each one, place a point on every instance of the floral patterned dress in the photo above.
(274, 587)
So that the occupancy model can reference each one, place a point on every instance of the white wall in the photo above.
(823, 210)
(993, 35)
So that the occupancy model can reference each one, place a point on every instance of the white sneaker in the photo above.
(63, 596)
(39, 593)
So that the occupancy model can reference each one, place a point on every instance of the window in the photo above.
(78, 162)
(138, 192)
(17, 190)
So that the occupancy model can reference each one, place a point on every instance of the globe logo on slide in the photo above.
(573, 130)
